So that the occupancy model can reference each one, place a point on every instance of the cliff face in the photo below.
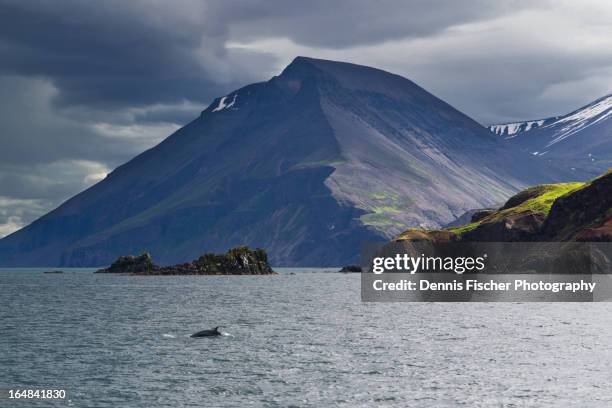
(553, 212)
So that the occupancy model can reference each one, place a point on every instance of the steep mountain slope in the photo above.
(580, 140)
(308, 165)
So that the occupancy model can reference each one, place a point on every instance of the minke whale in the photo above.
(208, 333)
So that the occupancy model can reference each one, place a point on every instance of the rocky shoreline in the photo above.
(236, 261)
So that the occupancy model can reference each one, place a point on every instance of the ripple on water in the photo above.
(302, 340)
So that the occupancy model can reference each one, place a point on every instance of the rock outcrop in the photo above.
(350, 268)
(236, 261)
(480, 214)
(584, 215)
(141, 264)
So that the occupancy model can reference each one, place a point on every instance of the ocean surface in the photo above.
(302, 339)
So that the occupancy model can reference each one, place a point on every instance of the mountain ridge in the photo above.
(582, 138)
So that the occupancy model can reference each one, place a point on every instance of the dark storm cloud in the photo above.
(33, 133)
(86, 85)
(141, 52)
(107, 53)
(345, 23)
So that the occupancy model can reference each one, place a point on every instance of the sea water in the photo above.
(302, 338)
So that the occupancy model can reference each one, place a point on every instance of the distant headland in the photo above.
(236, 261)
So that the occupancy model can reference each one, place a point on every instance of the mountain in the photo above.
(580, 140)
(578, 211)
(309, 165)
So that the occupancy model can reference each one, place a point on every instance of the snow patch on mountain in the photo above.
(582, 137)
(222, 105)
(581, 119)
(512, 129)
(560, 127)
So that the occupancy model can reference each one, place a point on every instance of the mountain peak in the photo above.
(299, 67)
(355, 77)
(337, 69)
(302, 61)
(333, 67)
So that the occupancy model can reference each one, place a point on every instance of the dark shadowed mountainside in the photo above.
(308, 165)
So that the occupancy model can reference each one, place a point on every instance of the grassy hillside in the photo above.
(577, 206)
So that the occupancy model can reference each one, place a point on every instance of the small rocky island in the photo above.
(236, 261)
(351, 268)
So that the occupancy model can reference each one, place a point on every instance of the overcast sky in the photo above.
(86, 85)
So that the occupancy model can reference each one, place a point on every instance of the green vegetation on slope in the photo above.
(538, 199)
(381, 216)
(542, 198)
(382, 195)
(319, 163)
